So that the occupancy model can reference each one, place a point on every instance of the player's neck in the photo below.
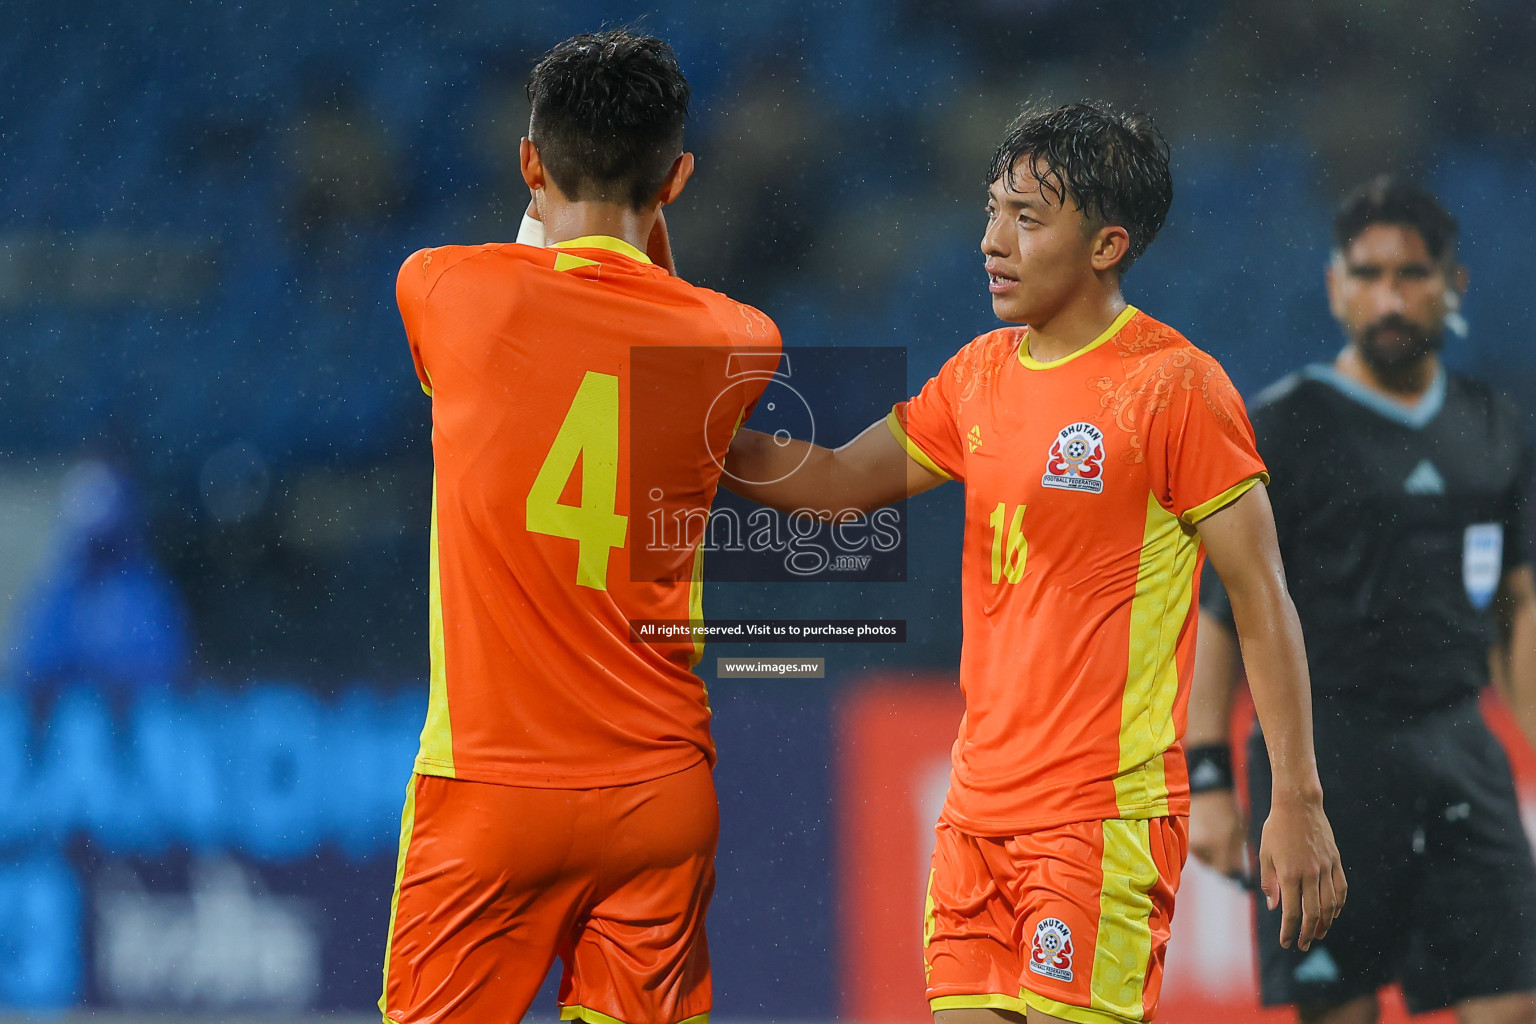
(1404, 385)
(1074, 327)
(564, 221)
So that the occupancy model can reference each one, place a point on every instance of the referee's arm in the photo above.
(1299, 867)
(1215, 820)
(1514, 660)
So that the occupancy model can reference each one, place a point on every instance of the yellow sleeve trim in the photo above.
(1077, 1014)
(428, 390)
(908, 445)
(1113, 329)
(596, 1017)
(608, 242)
(990, 1001)
(1223, 499)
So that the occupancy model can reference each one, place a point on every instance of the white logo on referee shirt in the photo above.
(1050, 953)
(1482, 562)
(1076, 460)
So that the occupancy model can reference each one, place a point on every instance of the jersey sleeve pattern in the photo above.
(1209, 454)
(762, 347)
(927, 425)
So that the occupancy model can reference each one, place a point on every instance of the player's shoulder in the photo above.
(1484, 401)
(1143, 336)
(744, 325)
(1282, 409)
(983, 354)
(1294, 390)
(430, 264)
(1300, 408)
(1463, 388)
(1149, 348)
(980, 361)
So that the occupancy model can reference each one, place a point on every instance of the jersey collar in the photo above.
(1418, 415)
(608, 242)
(1030, 362)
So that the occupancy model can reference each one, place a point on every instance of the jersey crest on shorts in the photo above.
(1076, 461)
(1050, 953)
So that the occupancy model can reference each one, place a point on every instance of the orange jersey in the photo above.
(578, 392)
(1083, 479)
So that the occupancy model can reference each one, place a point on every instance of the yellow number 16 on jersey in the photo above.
(589, 431)
(1010, 550)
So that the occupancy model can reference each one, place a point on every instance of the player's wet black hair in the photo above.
(1387, 199)
(1113, 166)
(608, 113)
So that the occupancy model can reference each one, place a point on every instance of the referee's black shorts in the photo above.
(1442, 889)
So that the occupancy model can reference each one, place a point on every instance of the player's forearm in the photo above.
(795, 476)
(785, 474)
(1274, 656)
(1218, 666)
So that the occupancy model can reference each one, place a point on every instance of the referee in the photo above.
(1400, 497)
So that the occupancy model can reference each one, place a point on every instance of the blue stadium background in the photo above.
(220, 660)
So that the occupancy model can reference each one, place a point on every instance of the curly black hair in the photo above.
(1112, 166)
(1386, 199)
(607, 115)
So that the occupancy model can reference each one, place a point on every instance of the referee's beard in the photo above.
(1395, 344)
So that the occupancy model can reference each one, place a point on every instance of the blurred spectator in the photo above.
(103, 612)
(346, 169)
(761, 186)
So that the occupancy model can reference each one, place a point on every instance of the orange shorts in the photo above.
(1071, 920)
(494, 882)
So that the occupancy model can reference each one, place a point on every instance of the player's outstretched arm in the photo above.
(793, 476)
(1515, 608)
(1299, 866)
(1215, 821)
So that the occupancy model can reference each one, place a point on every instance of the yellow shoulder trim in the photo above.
(908, 445)
(990, 1001)
(1224, 499)
(1077, 1014)
(608, 242)
(595, 1017)
(1113, 329)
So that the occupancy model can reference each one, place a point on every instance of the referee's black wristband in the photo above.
(1210, 768)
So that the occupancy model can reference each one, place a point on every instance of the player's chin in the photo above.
(1009, 309)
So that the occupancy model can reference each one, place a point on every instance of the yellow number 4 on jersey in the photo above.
(590, 431)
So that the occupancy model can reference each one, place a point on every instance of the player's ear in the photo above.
(677, 177)
(1109, 246)
(1332, 281)
(532, 166)
(1459, 279)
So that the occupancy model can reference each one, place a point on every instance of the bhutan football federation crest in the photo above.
(1050, 953)
(1076, 461)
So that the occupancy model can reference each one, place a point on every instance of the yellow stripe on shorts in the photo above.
(407, 826)
(1124, 950)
